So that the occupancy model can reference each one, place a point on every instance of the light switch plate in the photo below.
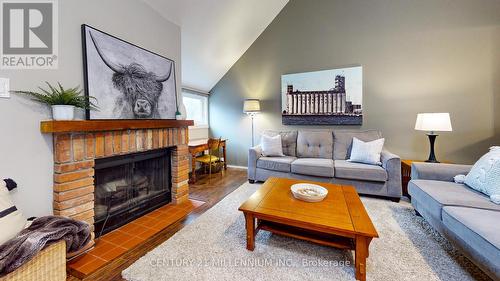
(4, 88)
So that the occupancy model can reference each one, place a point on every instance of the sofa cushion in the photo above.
(343, 141)
(313, 167)
(281, 164)
(477, 228)
(434, 195)
(366, 152)
(359, 171)
(317, 144)
(271, 146)
(288, 141)
(485, 175)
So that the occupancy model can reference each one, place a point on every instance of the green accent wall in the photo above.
(417, 56)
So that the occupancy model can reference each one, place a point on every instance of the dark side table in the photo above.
(406, 175)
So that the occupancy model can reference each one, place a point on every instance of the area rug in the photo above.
(213, 248)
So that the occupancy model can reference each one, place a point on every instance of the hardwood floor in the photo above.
(208, 190)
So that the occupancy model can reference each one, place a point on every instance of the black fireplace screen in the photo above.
(128, 186)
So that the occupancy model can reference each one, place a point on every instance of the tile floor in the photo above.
(116, 243)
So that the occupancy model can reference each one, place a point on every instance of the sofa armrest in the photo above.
(254, 154)
(388, 158)
(392, 164)
(437, 171)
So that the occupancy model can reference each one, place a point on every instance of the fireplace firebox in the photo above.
(129, 186)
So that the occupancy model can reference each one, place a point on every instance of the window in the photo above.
(196, 108)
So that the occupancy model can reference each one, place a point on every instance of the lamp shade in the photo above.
(251, 106)
(433, 122)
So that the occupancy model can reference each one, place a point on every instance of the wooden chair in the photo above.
(213, 156)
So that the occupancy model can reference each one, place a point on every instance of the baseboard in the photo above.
(237, 167)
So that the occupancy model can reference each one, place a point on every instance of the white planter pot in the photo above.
(63, 112)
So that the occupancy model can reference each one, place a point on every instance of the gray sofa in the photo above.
(321, 156)
(466, 217)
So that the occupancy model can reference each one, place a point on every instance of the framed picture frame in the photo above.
(325, 97)
(127, 81)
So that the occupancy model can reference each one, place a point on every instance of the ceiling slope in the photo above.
(215, 33)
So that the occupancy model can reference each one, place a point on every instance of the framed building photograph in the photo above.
(129, 82)
(326, 97)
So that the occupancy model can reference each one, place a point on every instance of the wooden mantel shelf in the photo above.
(109, 125)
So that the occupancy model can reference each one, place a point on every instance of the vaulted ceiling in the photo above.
(215, 33)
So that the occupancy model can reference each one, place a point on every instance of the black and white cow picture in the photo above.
(138, 90)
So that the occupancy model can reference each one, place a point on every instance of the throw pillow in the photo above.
(11, 219)
(459, 179)
(366, 152)
(288, 140)
(271, 146)
(485, 175)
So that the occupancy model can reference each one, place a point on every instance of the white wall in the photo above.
(26, 154)
(198, 133)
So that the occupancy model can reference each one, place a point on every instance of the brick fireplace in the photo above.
(77, 144)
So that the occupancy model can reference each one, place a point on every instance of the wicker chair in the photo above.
(48, 265)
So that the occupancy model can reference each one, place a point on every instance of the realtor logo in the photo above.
(29, 34)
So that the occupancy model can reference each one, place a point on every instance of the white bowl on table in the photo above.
(309, 192)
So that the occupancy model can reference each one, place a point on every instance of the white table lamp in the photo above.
(433, 122)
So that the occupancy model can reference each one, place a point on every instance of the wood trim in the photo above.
(359, 217)
(253, 202)
(109, 125)
(305, 234)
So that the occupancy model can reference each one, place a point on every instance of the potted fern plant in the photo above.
(62, 100)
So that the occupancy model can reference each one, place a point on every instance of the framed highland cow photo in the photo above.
(129, 82)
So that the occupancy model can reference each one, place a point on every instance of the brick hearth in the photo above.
(75, 152)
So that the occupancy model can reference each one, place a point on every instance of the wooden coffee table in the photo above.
(339, 221)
